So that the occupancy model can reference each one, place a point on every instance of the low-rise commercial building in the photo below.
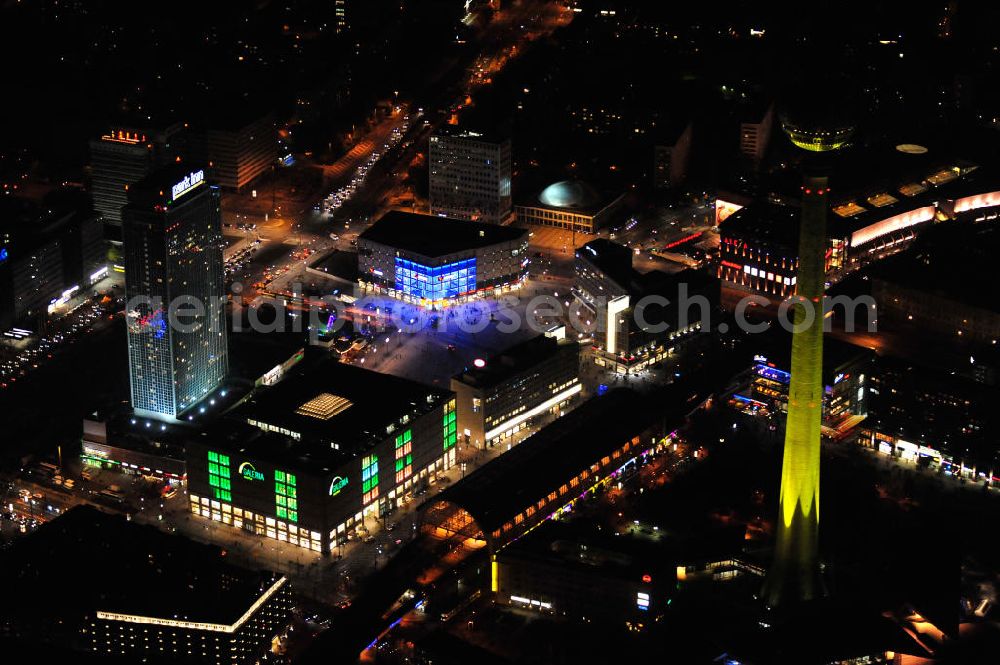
(932, 418)
(759, 240)
(933, 286)
(51, 249)
(597, 443)
(320, 451)
(580, 573)
(500, 397)
(172, 599)
(571, 205)
(846, 370)
(117, 442)
(435, 261)
(638, 319)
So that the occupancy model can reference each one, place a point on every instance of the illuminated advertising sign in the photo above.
(189, 182)
(724, 209)
(337, 484)
(3, 254)
(248, 472)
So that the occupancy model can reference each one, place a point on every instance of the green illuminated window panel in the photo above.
(284, 495)
(369, 479)
(218, 476)
(449, 426)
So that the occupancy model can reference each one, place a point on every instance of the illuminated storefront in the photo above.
(434, 261)
(435, 283)
(308, 467)
(600, 443)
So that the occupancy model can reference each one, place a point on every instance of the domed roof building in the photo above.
(571, 194)
(570, 204)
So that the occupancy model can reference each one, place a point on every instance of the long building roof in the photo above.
(87, 560)
(497, 491)
(433, 236)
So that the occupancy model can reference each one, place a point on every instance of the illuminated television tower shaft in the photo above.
(794, 575)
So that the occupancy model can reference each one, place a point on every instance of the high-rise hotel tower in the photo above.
(174, 283)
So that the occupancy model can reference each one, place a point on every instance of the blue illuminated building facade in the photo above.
(435, 283)
(173, 255)
(435, 261)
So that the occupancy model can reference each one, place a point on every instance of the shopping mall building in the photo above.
(436, 261)
(309, 459)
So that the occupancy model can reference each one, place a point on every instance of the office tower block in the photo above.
(470, 176)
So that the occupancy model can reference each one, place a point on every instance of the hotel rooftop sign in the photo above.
(189, 182)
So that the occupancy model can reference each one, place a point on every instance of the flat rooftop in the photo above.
(158, 186)
(952, 260)
(253, 354)
(763, 222)
(497, 491)
(610, 258)
(511, 362)
(338, 404)
(433, 236)
(482, 134)
(582, 545)
(776, 345)
(862, 205)
(87, 560)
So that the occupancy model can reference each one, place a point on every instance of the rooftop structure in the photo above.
(500, 501)
(432, 236)
(335, 407)
(432, 261)
(167, 584)
(570, 204)
(499, 396)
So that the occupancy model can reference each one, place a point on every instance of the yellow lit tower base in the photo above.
(794, 575)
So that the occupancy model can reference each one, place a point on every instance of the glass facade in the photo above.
(286, 496)
(404, 456)
(173, 255)
(435, 283)
(369, 479)
(450, 427)
(219, 478)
